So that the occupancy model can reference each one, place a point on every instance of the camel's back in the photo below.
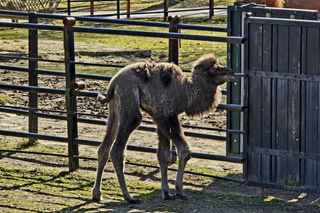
(161, 87)
(165, 92)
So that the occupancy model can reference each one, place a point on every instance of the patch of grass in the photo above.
(35, 147)
(4, 99)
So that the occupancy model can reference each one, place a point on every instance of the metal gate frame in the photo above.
(236, 16)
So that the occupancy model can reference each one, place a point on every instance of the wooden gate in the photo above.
(282, 92)
(236, 15)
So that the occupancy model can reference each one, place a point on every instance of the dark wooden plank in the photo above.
(266, 104)
(282, 103)
(254, 136)
(274, 103)
(312, 101)
(318, 105)
(294, 105)
(303, 105)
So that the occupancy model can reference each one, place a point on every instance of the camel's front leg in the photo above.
(164, 159)
(184, 154)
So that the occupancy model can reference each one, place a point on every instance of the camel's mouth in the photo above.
(226, 73)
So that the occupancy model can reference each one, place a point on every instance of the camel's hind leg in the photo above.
(104, 150)
(184, 153)
(129, 119)
(164, 157)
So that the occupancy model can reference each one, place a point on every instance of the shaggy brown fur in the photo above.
(163, 91)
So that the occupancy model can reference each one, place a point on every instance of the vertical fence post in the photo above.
(211, 8)
(165, 9)
(118, 9)
(69, 7)
(71, 100)
(174, 57)
(174, 43)
(91, 7)
(128, 8)
(33, 76)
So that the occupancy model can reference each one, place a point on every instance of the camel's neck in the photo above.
(202, 97)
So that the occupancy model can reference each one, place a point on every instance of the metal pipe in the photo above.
(32, 88)
(233, 159)
(33, 153)
(24, 111)
(118, 21)
(228, 39)
(32, 135)
(103, 122)
(31, 26)
(232, 107)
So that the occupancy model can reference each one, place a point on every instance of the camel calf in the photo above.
(163, 91)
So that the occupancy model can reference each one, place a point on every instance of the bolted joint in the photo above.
(69, 21)
(80, 85)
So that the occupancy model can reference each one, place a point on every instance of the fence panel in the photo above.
(71, 115)
(236, 14)
(283, 67)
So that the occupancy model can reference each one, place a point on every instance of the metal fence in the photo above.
(166, 8)
(71, 91)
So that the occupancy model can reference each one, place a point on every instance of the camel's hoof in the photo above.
(97, 196)
(168, 196)
(133, 200)
(181, 197)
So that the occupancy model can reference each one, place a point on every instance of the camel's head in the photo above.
(208, 67)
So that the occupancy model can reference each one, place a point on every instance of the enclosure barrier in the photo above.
(278, 68)
(166, 5)
(71, 91)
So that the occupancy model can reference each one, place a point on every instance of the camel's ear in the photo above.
(204, 65)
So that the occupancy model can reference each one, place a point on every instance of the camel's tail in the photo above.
(105, 98)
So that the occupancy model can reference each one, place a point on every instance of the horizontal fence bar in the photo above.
(228, 39)
(31, 26)
(56, 73)
(32, 135)
(273, 10)
(283, 22)
(99, 65)
(284, 153)
(32, 88)
(25, 111)
(120, 21)
(202, 27)
(14, 68)
(233, 159)
(232, 107)
(30, 152)
(284, 76)
(102, 122)
(31, 58)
